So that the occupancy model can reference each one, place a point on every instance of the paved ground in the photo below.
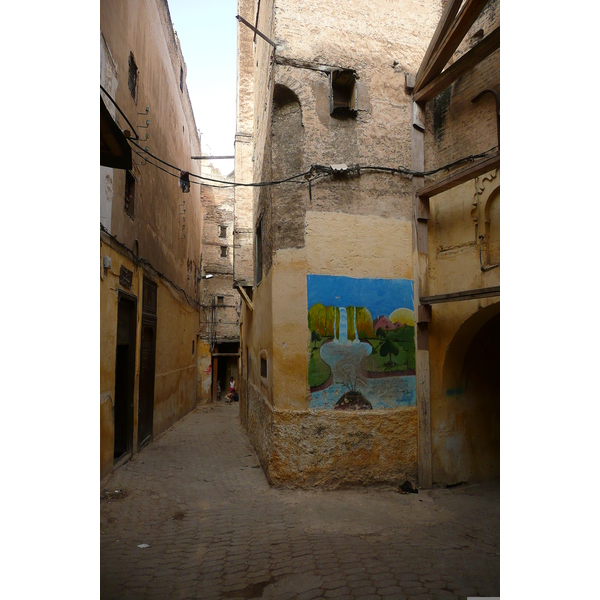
(215, 529)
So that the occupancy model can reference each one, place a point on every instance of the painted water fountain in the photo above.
(357, 362)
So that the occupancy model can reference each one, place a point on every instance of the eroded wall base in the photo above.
(332, 449)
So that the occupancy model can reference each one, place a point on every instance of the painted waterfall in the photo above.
(362, 343)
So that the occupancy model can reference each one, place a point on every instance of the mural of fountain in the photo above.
(343, 337)
(363, 298)
(335, 323)
(342, 355)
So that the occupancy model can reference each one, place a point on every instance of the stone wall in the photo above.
(352, 226)
(244, 149)
(455, 126)
(218, 238)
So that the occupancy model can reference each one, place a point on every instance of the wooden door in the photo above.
(124, 377)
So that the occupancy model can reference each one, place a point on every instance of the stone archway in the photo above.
(466, 428)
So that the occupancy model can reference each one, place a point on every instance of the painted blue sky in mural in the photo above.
(380, 296)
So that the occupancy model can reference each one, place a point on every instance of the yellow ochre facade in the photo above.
(153, 364)
(369, 333)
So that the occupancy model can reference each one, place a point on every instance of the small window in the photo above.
(193, 346)
(342, 95)
(181, 78)
(220, 300)
(259, 252)
(224, 251)
(129, 193)
(222, 231)
(133, 77)
(263, 367)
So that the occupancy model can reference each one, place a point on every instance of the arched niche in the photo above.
(492, 227)
(287, 158)
(487, 216)
(466, 422)
(287, 131)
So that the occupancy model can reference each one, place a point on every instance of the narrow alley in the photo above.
(193, 516)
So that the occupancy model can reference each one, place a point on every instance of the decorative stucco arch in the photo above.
(486, 214)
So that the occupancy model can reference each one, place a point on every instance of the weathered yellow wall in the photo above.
(464, 249)
(457, 220)
(108, 316)
(256, 334)
(107, 434)
(358, 245)
(175, 381)
(167, 247)
(290, 370)
(303, 447)
(176, 368)
(109, 299)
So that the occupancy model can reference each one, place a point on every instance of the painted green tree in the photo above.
(322, 318)
(314, 339)
(388, 348)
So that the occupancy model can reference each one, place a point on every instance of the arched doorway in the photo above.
(466, 420)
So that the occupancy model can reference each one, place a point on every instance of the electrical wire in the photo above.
(315, 172)
(137, 137)
(228, 183)
(177, 176)
(163, 170)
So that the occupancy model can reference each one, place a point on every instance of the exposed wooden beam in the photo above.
(245, 298)
(420, 269)
(465, 295)
(262, 35)
(450, 42)
(210, 157)
(445, 22)
(460, 176)
(424, 313)
(257, 13)
(490, 43)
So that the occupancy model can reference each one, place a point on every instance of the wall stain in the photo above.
(439, 106)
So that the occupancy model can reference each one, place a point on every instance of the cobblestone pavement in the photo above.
(215, 529)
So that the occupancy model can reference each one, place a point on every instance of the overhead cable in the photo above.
(137, 137)
(321, 170)
(308, 176)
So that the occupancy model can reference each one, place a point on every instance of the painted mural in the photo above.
(362, 343)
